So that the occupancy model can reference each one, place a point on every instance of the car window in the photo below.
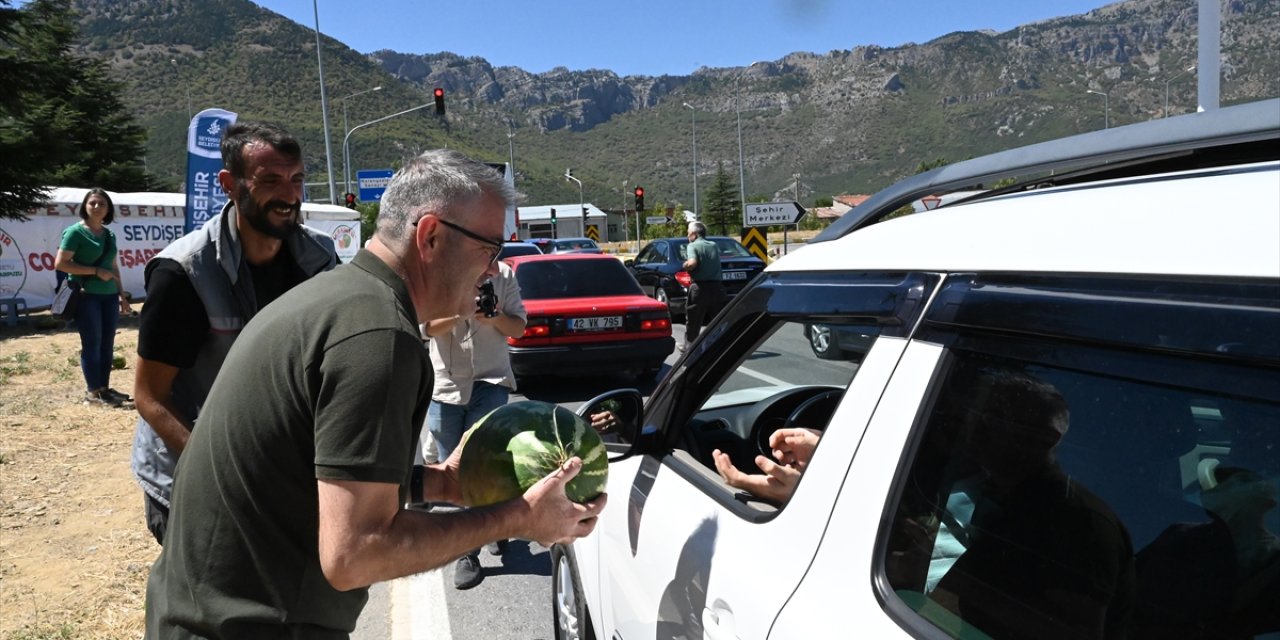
(652, 253)
(730, 248)
(509, 250)
(782, 355)
(547, 279)
(1061, 490)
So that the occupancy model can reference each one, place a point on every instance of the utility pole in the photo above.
(324, 110)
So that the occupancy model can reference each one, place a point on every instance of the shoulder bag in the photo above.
(67, 297)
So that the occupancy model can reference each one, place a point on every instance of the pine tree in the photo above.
(722, 208)
(62, 123)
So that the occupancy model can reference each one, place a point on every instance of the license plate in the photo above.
(735, 275)
(595, 324)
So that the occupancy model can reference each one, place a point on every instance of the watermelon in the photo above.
(518, 444)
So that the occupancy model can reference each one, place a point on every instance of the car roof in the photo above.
(1190, 140)
(1223, 221)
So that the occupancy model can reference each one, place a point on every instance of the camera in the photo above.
(487, 301)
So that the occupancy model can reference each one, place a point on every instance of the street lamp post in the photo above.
(346, 159)
(324, 109)
(1106, 108)
(742, 174)
(346, 149)
(582, 202)
(693, 118)
(1166, 87)
(511, 150)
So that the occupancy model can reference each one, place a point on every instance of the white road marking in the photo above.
(766, 378)
(418, 609)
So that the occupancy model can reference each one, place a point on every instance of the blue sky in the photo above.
(654, 37)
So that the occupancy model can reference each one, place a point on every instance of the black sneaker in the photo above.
(497, 547)
(100, 397)
(95, 397)
(122, 398)
(467, 572)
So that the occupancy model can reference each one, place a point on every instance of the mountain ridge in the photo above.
(849, 120)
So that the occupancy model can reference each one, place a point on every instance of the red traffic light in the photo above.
(351, 199)
(639, 192)
(639, 198)
(439, 94)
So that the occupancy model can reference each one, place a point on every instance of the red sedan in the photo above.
(587, 316)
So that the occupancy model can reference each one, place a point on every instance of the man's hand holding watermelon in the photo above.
(543, 513)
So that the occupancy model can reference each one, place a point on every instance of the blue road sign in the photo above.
(372, 183)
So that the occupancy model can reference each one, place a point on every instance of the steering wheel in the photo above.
(801, 406)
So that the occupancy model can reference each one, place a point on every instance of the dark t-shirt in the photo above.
(174, 313)
(331, 383)
(1049, 538)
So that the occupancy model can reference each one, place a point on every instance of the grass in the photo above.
(62, 631)
(18, 364)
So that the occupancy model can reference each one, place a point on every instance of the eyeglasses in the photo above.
(494, 247)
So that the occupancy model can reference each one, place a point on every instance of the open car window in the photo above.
(782, 355)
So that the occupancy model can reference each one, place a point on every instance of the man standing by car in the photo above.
(289, 501)
(706, 293)
(473, 376)
(204, 288)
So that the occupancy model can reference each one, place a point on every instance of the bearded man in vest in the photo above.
(204, 287)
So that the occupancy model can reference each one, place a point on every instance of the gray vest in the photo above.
(211, 257)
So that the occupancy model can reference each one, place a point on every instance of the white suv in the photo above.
(1062, 421)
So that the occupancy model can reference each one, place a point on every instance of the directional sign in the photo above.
(656, 220)
(771, 213)
(372, 183)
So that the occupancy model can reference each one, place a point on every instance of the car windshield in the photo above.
(730, 248)
(572, 245)
(548, 279)
(512, 249)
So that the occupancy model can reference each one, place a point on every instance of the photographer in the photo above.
(472, 375)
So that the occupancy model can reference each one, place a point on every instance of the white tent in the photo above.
(145, 223)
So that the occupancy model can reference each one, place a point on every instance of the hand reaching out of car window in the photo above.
(792, 448)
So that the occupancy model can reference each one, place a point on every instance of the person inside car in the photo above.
(792, 450)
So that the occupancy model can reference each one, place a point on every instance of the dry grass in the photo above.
(74, 551)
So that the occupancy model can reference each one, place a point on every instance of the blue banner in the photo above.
(204, 160)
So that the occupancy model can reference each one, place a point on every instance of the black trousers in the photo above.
(706, 299)
(157, 516)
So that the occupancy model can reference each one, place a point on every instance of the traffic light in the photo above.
(439, 94)
(639, 198)
(351, 200)
(553, 216)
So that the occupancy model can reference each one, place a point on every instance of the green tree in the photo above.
(62, 121)
(722, 209)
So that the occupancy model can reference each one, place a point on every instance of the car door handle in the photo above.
(717, 622)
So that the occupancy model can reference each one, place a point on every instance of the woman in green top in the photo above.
(87, 254)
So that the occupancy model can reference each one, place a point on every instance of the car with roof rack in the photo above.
(1062, 419)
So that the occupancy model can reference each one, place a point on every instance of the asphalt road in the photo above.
(514, 601)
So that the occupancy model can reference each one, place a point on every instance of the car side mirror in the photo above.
(628, 263)
(616, 415)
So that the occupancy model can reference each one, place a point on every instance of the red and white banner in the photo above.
(145, 224)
